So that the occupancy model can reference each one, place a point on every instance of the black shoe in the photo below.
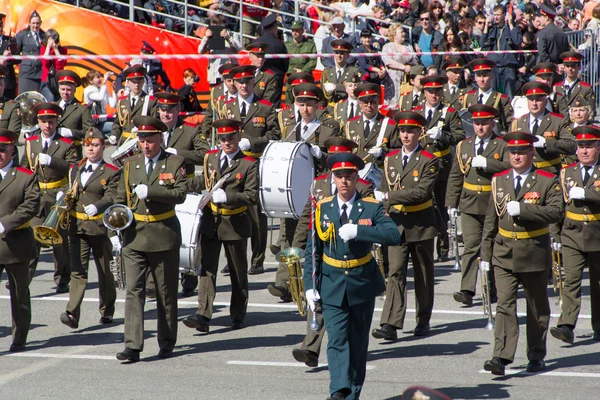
(151, 294)
(7, 285)
(187, 293)
(201, 325)
(596, 336)
(235, 325)
(62, 288)
(281, 292)
(563, 333)
(16, 347)
(536, 366)
(69, 320)
(256, 270)
(310, 358)
(464, 297)
(165, 353)
(443, 257)
(386, 332)
(274, 249)
(225, 269)
(106, 320)
(129, 355)
(337, 396)
(422, 330)
(496, 366)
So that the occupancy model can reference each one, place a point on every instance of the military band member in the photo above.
(259, 126)
(225, 222)
(476, 160)
(580, 113)
(50, 156)
(267, 84)
(516, 244)
(218, 96)
(572, 87)
(544, 73)
(333, 77)
(407, 189)
(10, 117)
(581, 185)
(290, 114)
(455, 88)
(19, 203)
(153, 183)
(345, 110)
(415, 97)
(136, 103)
(484, 94)
(552, 130)
(442, 130)
(94, 185)
(347, 276)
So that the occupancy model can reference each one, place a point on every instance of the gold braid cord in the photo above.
(128, 188)
(500, 206)
(123, 116)
(327, 236)
(466, 166)
(564, 187)
(396, 183)
(209, 179)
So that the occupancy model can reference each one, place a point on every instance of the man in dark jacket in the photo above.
(276, 46)
(552, 41)
(426, 39)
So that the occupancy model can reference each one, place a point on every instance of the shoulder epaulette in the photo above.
(418, 108)
(325, 200)
(585, 84)
(285, 107)
(544, 173)
(248, 158)
(324, 176)
(474, 91)
(393, 153)
(230, 100)
(215, 151)
(556, 115)
(67, 141)
(502, 173)
(36, 137)
(428, 154)
(559, 83)
(270, 72)
(265, 102)
(354, 118)
(392, 121)
(571, 165)
(450, 109)
(187, 123)
(503, 96)
(371, 199)
(152, 98)
(25, 170)
(110, 166)
(221, 97)
(364, 181)
(122, 97)
(405, 93)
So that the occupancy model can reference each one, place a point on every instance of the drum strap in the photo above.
(28, 146)
(146, 105)
(282, 126)
(382, 129)
(311, 130)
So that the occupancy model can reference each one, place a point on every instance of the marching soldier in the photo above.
(442, 130)
(407, 189)
(347, 276)
(484, 94)
(371, 130)
(455, 88)
(9, 111)
(323, 186)
(415, 97)
(50, 156)
(477, 159)
(267, 84)
(572, 87)
(290, 114)
(552, 130)
(333, 78)
(516, 243)
(226, 222)
(259, 126)
(93, 182)
(345, 110)
(544, 73)
(153, 183)
(218, 96)
(135, 104)
(581, 185)
(19, 203)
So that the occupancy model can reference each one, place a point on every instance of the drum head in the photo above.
(467, 122)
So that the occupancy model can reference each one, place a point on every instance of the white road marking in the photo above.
(549, 373)
(277, 364)
(69, 356)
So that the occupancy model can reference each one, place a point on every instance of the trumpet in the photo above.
(48, 233)
(117, 218)
(486, 296)
(557, 272)
(291, 258)
(453, 238)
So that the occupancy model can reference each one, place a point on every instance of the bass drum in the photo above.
(371, 173)
(189, 215)
(124, 151)
(285, 166)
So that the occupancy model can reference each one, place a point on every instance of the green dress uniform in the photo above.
(344, 110)
(88, 235)
(19, 203)
(145, 105)
(11, 119)
(306, 46)
(453, 96)
(78, 119)
(190, 144)
(410, 100)
(219, 94)
(348, 281)
(267, 85)
(338, 76)
(569, 93)
(499, 101)
(382, 133)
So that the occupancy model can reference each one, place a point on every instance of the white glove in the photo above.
(348, 232)
(112, 139)
(312, 296)
(378, 195)
(513, 208)
(484, 266)
(244, 144)
(2, 229)
(115, 242)
(479, 162)
(577, 193)
(65, 132)
(219, 196)
(26, 134)
(59, 195)
(556, 246)
(329, 87)
(141, 191)
(541, 142)
(91, 210)
(44, 159)
(171, 150)
(434, 133)
(376, 151)
(315, 150)
(452, 212)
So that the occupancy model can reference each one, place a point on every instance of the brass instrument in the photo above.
(557, 273)
(117, 218)
(486, 297)
(27, 101)
(58, 218)
(291, 258)
(379, 258)
(453, 238)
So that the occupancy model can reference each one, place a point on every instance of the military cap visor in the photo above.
(66, 77)
(167, 101)
(345, 161)
(519, 140)
(135, 72)
(483, 111)
(227, 127)
(7, 136)
(410, 118)
(586, 133)
(340, 145)
(148, 126)
(47, 110)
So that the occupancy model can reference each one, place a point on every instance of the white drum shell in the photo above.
(372, 173)
(126, 150)
(189, 219)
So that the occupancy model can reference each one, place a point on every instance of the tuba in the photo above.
(27, 101)
(117, 218)
(291, 258)
(58, 218)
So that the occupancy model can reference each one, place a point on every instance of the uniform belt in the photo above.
(442, 153)
(522, 235)
(191, 176)
(53, 185)
(549, 163)
(347, 264)
(477, 188)
(224, 211)
(418, 207)
(251, 154)
(127, 135)
(25, 225)
(582, 217)
(154, 218)
(77, 142)
(85, 217)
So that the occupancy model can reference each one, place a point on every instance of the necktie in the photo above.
(339, 76)
(87, 169)
(567, 91)
(298, 135)
(518, 187)
(415, 101)
(132, 102)
(1, 178)
(429, 117)
(150, 168)
(367, 129)
(480, 149)
(351, 111)
(535, 127)
(225, 164)
(304, 131)
(298, 116)
(453, 91)
(404, 161)
(480, 101)
(586, 175)
(344, 216)
(45, 148)
(243, 111)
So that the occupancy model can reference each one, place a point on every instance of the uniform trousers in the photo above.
(472, 228)
(313, 339)
(62, 262)
(439, 192)
(20, 300)
(258, 240)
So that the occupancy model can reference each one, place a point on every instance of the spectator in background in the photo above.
(50, 47)
(526, 61)
(29, 43)
(189, 98)
(232, 46)
(478, 28)
(401, 14)
(252, 18)
(316, 12)
(351, 11)
(551, 40)
(594, 22)
(337, 29)
(287, 7)
(439, 19)
(269, 36)
(97, 97)
(572, 25)
(155, 70)
(164, 7)
(398, 66)
(300, 44)
(372, 68)
(8, 46)
(426, 39)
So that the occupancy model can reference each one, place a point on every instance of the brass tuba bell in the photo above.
(27, 101)
(117, 218)
(58, 218)
(291, 258)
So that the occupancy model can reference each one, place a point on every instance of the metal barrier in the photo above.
(586, 42)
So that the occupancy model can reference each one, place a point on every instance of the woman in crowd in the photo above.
(438, 16)
(187, 93)
(50, 47)
(397, 65)
(97, 96)
(28, 44)
(315, 12)
(232, 46)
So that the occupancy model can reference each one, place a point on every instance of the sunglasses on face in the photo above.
(4, 149)
(424, 19)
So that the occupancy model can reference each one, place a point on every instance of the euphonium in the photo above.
(453, 239)
(557, 272)
(27, 101)
(291, 258)
(47, 233)
(379, 258)
(117, 218)
(486, 297)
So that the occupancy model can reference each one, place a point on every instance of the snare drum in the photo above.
(371, 173)
(286, 175)
(124, 151)
(189, 215)
(467, 122)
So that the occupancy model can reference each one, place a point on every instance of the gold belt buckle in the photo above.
(479, 188)
(345, 264)
(86, 217)
(146, 218)
(514, 235)
(586, 218)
